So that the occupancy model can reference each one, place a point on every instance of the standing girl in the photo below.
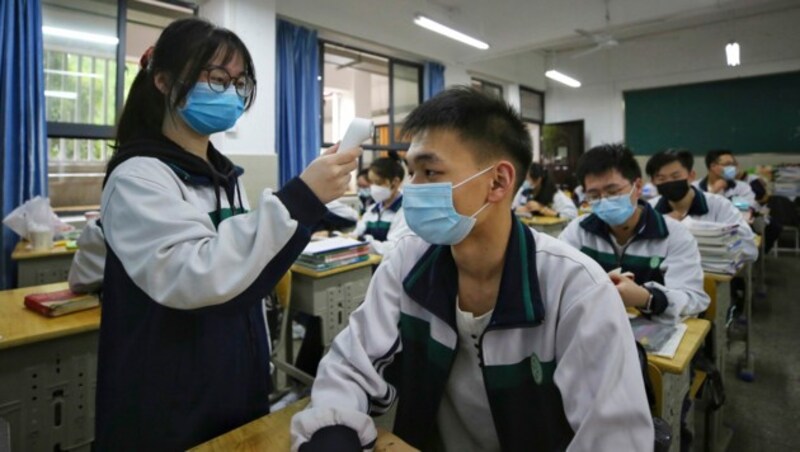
(184, 351)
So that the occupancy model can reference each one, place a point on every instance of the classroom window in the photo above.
(531, 105)
(82, 68)
(489, 88)
(357, 83)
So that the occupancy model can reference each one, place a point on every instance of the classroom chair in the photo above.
(785, 213)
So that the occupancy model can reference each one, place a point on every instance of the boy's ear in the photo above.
(503, 182)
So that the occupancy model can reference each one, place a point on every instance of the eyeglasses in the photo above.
(219, 80)
(592, 196)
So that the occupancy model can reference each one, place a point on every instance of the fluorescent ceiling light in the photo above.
(156, 3)
(561, 78)
(431, 25)
(80, 36)
(61, 94)
(71, 73)
(732, 54)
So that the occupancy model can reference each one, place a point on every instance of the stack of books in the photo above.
(720, 245)
(332, 253)
(54, 304)
(787, 181)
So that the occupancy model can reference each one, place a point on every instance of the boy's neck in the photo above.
(712, 178)
(622, 233)
(480, 257)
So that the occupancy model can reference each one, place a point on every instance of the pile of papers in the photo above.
(787, 181)
(332, 253)
(720, 245)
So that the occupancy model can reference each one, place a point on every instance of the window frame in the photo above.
(541, 101)
(487, 84)
(393, 145)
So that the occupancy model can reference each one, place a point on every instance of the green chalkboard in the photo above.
(746, 115)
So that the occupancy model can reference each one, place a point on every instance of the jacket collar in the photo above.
(433, 282)
(651, 225)
(699, 205)
(394, 207)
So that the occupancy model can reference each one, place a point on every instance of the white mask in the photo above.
(380, 193)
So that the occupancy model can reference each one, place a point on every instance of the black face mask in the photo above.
(675, 190)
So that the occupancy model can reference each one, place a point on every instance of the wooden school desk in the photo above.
(331, 294)
(672, 377)
(271, 434)
(548, 225)
(36, 267)
(47, 374)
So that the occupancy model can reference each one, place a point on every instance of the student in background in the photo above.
(539, 196)
(659, 260)
(673, 174)
(383, 223)
(362, 182)
(184, 347)
(721, 180)
(339, 217)
(498, 337)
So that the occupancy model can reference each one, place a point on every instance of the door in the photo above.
(562, 146)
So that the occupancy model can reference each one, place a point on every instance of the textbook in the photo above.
(657, 338)
(331, 265)
(54, 304)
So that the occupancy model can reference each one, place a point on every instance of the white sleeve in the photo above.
(341, 209)
(744, 191)
(564, 206)
(347, 380)
(599, 374)
(86, 271)
(171, 250)
(397, 230)
(683, 276)
(519, 199)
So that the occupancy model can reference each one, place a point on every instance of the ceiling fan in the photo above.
(602, 41)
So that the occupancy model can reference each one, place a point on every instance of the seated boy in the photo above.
(721, 179)
(495, 336)
(660, 272)
(671, 171)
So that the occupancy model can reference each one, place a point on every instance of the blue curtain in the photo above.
(298, 110)
(23, 163)
(433, 78)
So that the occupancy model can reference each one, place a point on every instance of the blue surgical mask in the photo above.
(614, 210)
(208, 112)
(729, 172)
(429, 212)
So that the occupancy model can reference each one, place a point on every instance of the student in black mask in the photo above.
(672, 174)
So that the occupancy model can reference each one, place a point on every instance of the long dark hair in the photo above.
(547, 188)
(182, 52)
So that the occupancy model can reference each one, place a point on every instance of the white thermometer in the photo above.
(359, 130)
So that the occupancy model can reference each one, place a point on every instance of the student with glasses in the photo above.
(184, 259)
(721, 180)
(657, 257)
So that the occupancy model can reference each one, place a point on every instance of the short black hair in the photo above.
(606, 157)
(363, 173)
(493, 128)
(664, 158)
(388, 168)
(713, 155)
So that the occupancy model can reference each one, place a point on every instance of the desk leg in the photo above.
(747, 364)
(717, 437)
(674, 387)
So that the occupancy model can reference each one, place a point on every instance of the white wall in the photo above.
(254, 22)
(770, 44)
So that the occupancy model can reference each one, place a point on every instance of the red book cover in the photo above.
(53, 304)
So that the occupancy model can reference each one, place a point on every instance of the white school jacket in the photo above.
(385, 224)
(736, 189)
(662, 255)
(717, 209)
(558, 358)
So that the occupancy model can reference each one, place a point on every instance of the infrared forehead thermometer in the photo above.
(359, 130)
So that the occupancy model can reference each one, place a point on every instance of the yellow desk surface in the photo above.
(20, 326)
(271, 433)
(543, 221)
(691, 342)
(718, 277)
(22, 251)
(374, 259)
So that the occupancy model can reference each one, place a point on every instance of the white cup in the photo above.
(41, 237)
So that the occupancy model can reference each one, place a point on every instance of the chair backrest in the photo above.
(710, 288)
(656, 379)
(783, 210)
